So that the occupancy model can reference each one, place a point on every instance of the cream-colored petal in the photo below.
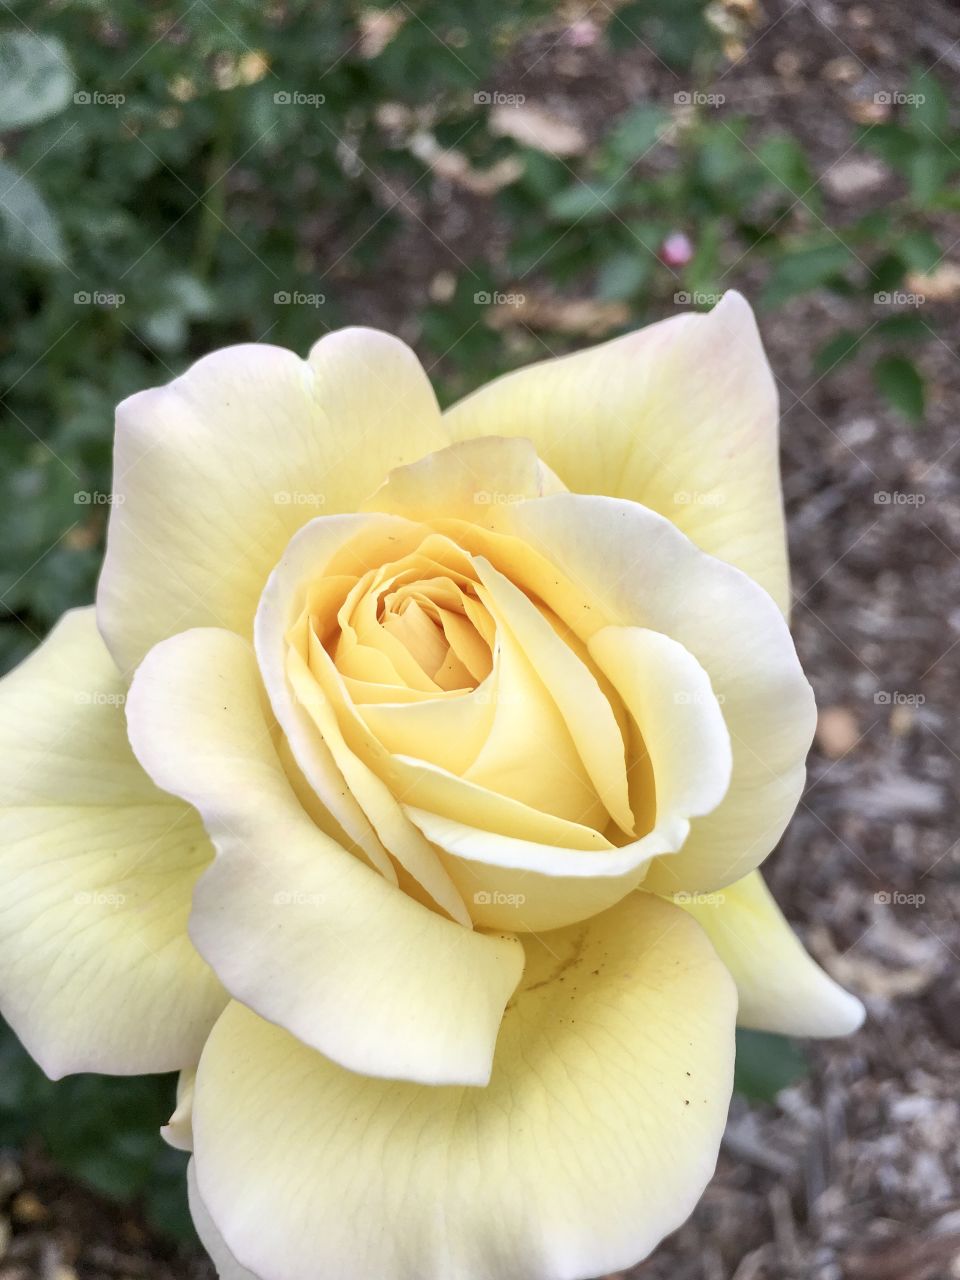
(466, 480)
(781, 988)
(669, 696)
(427, 786)
(214, 473)
(360, 540)
(634, 568)
(297, 928)
(305, 709)
(573, 688)
(226, 1264)
(519, 884)
(529, 754)
(400, 836)
(681, 416)
(594, 1139)
(449, 732)
(97, 972)
(178, 1131)
(515, 876)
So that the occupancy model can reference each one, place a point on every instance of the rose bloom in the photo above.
(406, 790)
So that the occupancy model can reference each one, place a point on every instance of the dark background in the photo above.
(497, 185)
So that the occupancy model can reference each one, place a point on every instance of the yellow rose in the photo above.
(456, 743)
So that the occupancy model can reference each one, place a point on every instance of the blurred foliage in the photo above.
(103, 1131)
(173, 180)
(766, 1064)
(168, 180)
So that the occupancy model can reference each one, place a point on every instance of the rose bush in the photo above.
(406, 790)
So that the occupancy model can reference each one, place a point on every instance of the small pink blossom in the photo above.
(676, 250)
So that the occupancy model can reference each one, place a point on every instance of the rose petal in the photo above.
(580, 700)
(226, 1264)
(781, 988)
(305, 710)
(466, 480)
(681, 416)
(215, 472)
(669, 696)
(594, 1139)
(297, 928)
(97, 972)
(634, 568)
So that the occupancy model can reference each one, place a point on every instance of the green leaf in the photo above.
(887, 272)
(702, 271)
(766, 1064)
(892, 143)
(903, 327)
(929, 169)
(843, 346)
(623, 274)
(582, 202)
(931, 112)
(635, 133)
(31, 232)
(36, 80)
(805, 269)
(920, 250)
(900, 381)
(787, 162)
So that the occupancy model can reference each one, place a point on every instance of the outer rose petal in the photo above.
(781, 988)
(296, 927)
(227, 1266)
(97, 972)
(680, 416)
(178, 1131)
(594, 1139)
(217, 470)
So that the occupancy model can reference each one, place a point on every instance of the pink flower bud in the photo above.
(676, 250)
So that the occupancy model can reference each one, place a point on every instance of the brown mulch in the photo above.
(51, 1229)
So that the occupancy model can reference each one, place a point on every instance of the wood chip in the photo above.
(838, 731)
(534, 126)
